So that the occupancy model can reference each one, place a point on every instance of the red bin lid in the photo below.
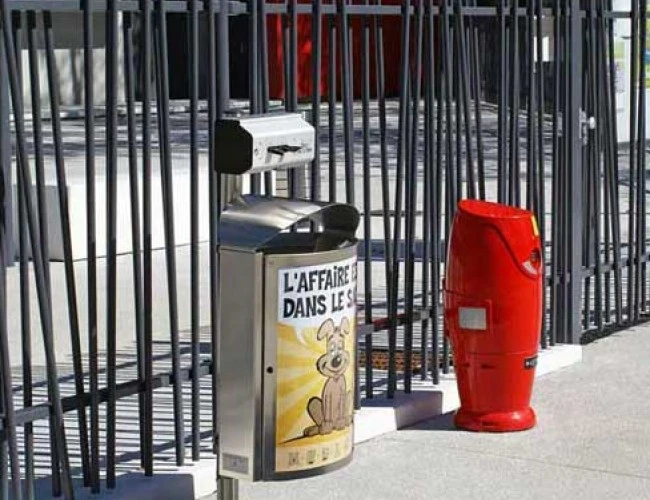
(490, 210)
(517, 227)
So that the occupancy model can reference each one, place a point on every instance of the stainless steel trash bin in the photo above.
(286, 336)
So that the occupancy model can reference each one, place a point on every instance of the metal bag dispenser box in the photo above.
(493, 313)
(257, 143)
(286, 335)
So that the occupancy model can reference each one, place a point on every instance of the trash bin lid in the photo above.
(250, 222)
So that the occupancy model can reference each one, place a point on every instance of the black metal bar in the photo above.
(168, 218)
(450, 194)
(263, 60)
(563, 188)
(346, 92)
(123, 390)
(292, 83)
(575, 174)
(146, 44)
(463, 99)
(476, 90)
(641, 224)
(587, 191)
(235, 8)
(232, 8)
(457, 97)
(253, 77)
(91, 241)
(136, 239)
(531, 137)
(351, 66)
(317, 50)
(26, 338)
(555, 294)
(64, 211)
(223, 61)
(214, 109)
(194, 226)
(429, 82)
(540, 210)
(397, 224)
(613, 192)
(331, 89)
(514, 191)
(263, 56)
(221, 95)
(641, 152)
(367, 205)
(385, 10)
(436, 193)
(264, 76)
(411, 200)
(292, 86)
(286, 64)
(596, 148)
(215, 201)
(286, 67)
(37, 131)
(566, 317)
(503, 105)
(385, 185)
(631, 274)
(604, 119)
(111, 237)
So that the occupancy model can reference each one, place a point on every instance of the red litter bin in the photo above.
(493, 314)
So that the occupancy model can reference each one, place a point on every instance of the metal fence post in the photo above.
(575, 207)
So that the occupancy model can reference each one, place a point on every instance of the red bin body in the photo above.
(493, 314)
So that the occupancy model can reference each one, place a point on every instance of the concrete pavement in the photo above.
(592, 441)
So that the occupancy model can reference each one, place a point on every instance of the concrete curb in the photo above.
(376, 417)
(380, 416)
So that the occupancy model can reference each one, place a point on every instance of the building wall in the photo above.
(68, 43)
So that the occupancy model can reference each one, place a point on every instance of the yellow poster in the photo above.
(315, 365)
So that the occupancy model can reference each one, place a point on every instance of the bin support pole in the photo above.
(231, 188)
(575, 166)
(227, 488)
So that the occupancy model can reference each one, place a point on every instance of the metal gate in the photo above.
(108, 287)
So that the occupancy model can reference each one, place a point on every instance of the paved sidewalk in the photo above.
(592, 442)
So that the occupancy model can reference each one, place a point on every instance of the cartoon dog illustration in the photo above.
(333, 410)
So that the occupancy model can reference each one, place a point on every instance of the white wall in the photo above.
(68, 40)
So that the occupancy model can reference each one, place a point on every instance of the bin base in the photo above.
(509, 421)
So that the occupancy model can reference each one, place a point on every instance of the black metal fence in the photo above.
(539, 104)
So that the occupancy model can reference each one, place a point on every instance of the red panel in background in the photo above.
(392, 53)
